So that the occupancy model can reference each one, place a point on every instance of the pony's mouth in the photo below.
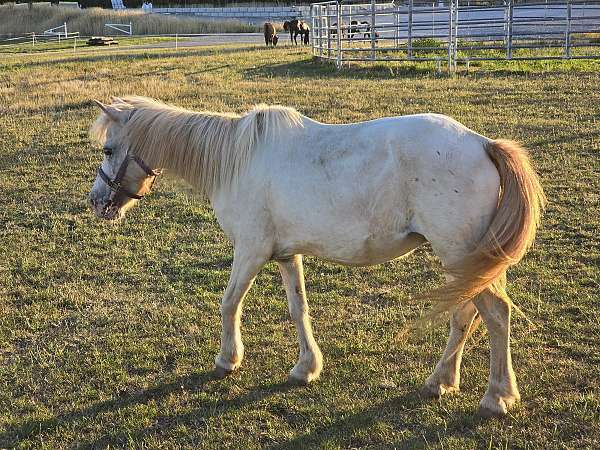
(108, 211)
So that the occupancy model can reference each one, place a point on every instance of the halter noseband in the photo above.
(115, 184)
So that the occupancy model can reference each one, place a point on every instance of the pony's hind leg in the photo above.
(502, 392)
(446, 375)
(246, 266)
(310, 362)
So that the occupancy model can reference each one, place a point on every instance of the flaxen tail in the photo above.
(508, 237)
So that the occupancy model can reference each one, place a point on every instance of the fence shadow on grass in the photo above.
(314, 69)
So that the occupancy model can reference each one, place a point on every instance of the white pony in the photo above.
(283, 185)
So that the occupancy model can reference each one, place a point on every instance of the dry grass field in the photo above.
(17, 20)
(108, 333)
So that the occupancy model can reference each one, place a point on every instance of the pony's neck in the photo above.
(198, 147)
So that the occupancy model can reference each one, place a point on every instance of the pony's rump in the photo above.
(510, 233)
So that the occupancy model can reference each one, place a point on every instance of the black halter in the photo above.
(115, 184)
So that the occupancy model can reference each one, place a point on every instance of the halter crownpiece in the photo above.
(115, 184)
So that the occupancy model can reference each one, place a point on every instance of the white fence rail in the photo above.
(454, 32)
(125, 28)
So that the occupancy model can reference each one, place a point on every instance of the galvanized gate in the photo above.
(454, 31)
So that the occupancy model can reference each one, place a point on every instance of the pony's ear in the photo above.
(118, 115)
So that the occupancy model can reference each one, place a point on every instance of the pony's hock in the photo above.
(278, 183)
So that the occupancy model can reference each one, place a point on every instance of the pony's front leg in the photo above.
(246, 266)
(502, 392)
(310, 362)
(446, 375)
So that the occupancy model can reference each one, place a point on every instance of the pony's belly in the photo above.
(365, 252)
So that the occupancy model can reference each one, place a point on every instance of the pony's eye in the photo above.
(108, 151)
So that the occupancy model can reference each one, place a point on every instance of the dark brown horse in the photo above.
(271, 37)
(297, 27)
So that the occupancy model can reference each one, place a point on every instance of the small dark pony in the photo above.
(270, 34)
(297, 27)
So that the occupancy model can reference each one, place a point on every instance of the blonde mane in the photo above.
(207, 149)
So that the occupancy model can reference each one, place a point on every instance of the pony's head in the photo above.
(123, 177)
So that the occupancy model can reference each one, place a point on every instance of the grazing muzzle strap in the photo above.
(115, 184)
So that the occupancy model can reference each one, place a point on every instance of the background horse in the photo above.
(297, 27)
(283, 185)
(270, 34)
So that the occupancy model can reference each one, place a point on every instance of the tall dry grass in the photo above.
(16, 20)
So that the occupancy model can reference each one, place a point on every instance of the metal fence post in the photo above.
(312, 31)
(456, 11)
(450, 30)
(338, 13)
(328, 32)
(568, 31)
(410, 26)
(321, 31)
(509, 30)
(373, 6)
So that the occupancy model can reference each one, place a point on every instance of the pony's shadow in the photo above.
(341, 432)
(190, 383)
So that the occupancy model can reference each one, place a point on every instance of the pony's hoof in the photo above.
(436, 391)
(488, 413)
(296, 381)
(496, 406)
(301, 376)
(221, 372)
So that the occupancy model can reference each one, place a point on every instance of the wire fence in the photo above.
(457, 31)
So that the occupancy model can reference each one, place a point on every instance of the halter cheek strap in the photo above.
(115, 184)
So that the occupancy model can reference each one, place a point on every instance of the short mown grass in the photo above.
(108, 333)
